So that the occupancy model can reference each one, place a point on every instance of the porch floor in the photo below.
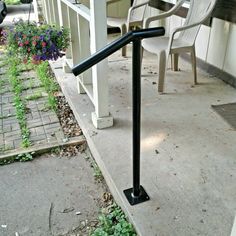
(188, 157)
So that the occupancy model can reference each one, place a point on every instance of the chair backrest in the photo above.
(138, 13)
(199, 11)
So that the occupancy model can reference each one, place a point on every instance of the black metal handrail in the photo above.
(136, 194)
(116, 45)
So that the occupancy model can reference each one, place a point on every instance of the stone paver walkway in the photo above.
(44, 126)
(43, 123)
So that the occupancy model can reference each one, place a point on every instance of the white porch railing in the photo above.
(87, 24)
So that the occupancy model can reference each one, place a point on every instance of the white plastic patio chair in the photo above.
(199, 11)
(134, 19)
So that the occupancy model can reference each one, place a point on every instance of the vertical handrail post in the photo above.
(136, 94)
(137, 194)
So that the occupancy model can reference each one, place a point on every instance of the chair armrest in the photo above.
(163, 15)
(182, 28)
(199, 22)
(135, 7)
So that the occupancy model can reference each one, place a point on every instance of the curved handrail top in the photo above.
(116, 45)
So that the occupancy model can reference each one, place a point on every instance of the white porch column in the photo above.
(98, 30)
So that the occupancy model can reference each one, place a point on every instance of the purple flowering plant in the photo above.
(36, 42)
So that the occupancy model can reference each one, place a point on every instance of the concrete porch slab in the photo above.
(188, 159)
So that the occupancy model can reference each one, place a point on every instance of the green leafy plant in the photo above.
(24, 157)
(113, 221)
(21, 158)
(37, 42)
(5, 162)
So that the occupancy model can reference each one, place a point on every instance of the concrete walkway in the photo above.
(49, 196)
(188, 151)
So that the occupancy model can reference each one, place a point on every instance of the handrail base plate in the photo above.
(133, 200)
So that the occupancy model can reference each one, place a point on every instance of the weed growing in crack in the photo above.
(25, 133)
(113, 221)
(19, 103)
(49, 84)
(24, 157)
(5, 162)
(96, 170)
(21, 158)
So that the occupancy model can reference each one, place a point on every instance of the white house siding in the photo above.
(230, 57)
(218, 43)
